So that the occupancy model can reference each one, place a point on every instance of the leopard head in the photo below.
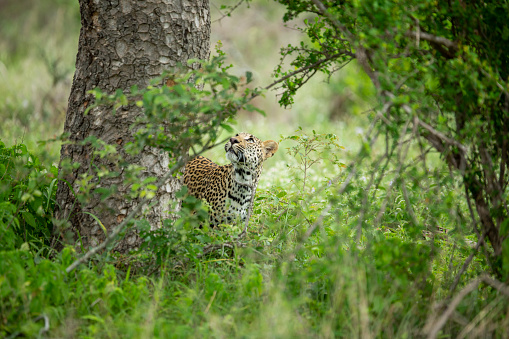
(246, 150)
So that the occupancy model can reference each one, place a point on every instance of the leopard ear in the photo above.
(269, 148)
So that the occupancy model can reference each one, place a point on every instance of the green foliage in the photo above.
(27, 198)
(440, 70)
(180, 238)
(311, 149)
(333, 282)
(364, 250)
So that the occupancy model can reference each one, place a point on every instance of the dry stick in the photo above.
(433, 332)
(131, 215)
(437, 326)
(433, 38)
(499, 286)
(46, 323)
(210, 302)
(479, 322)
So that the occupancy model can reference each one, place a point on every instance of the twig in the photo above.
(310, 231)
(14, 216)
(485, 250)
(437, 326)
(478, 324)
(312, 66)
(402, 153)
(46, 323)
(210, 302)
(403, 186)
(354, 164)
(366, 192)
(229, 12)
(502, 288)
(442, 136)
(323, 10)
(433, 38)
(433, 328)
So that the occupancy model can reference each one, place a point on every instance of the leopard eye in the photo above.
(250, 140)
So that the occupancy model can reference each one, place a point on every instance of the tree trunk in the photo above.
(122, 43)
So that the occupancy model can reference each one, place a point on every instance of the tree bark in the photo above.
(122, 43)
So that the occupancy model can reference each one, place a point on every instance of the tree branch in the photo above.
(451, 45)
(465, 265)
(442, 136)
(312, 66)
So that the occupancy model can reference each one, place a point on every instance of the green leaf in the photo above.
(29, 218)
(98, 221)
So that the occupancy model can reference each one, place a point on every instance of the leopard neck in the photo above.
(246, 177)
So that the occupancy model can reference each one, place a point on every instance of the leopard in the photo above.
(229, 189)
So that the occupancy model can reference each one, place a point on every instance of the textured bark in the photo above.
(123, 43)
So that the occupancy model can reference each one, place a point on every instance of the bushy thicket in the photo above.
(303, 271)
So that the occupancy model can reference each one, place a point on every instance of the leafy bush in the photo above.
(27, 198)
(440, 81)
(303, 272)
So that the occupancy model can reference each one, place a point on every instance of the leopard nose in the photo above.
(234, 141)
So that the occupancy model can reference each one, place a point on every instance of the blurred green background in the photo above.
(39, 41)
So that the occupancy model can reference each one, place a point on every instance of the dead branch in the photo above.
(451, 45)
(432, 328)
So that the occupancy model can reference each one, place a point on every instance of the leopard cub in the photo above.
(235, 182)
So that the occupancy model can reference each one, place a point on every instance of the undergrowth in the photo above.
(377, 253)
(303, 271)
